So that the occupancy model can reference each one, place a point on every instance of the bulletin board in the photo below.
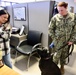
(20, 13)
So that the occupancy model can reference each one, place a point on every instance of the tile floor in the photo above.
(20, 66)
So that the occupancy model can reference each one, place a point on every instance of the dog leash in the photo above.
(69, 51)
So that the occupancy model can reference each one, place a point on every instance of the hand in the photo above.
(70, 43)
(51, 45)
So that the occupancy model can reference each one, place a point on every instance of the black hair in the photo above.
(2, 12)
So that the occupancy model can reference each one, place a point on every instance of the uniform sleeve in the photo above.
(51, 31)
(73, 38)
(52, 28)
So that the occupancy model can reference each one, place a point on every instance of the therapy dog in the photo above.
(46, 64)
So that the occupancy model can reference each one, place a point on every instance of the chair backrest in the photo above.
(34, 37)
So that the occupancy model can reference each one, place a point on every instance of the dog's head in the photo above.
(44, 53)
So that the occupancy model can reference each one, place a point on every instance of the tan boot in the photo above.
(62, 69)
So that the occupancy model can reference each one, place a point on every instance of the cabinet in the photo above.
(16, 38)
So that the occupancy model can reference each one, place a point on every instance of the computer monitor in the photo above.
(22, 30)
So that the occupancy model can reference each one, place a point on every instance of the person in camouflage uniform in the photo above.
(62, 29)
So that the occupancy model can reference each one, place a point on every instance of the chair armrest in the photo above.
(35, 46)
(23, 42)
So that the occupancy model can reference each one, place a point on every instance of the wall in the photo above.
(39, 18)
(11, 15)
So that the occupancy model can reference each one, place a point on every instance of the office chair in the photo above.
(29, 46)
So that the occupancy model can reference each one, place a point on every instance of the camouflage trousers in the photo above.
(60, 56)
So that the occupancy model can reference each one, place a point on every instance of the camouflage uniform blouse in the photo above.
(62, 29)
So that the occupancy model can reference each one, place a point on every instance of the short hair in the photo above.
(63, 4)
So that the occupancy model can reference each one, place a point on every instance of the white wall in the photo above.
(11, 15)
(39, 18)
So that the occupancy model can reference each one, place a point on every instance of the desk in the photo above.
(7, 71)
(16, 38)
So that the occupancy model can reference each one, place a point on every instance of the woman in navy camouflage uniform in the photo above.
(5, 33)
(62, 29)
